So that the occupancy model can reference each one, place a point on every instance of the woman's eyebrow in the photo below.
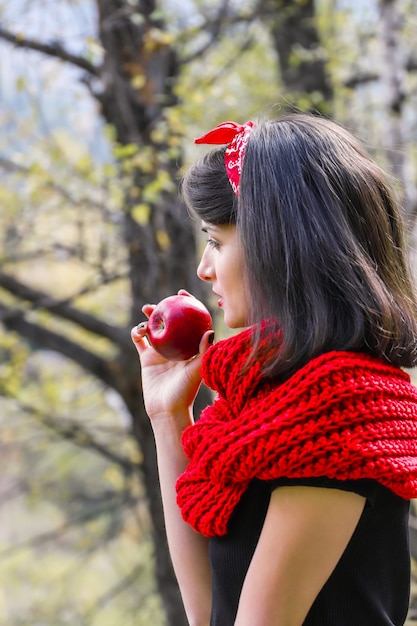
(207, 227)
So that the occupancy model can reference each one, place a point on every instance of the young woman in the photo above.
(286, 503)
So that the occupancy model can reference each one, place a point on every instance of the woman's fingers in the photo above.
(147, 309)
(206, 341)
(184, 292)
(138, 335)
(139, 332)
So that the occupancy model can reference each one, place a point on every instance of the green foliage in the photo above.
(13, 355)
(248, 88)
(75, 544)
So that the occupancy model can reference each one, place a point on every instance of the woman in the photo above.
(286, 503)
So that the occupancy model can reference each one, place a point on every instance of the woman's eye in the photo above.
(213, 243)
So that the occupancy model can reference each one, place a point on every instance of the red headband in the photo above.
(236, 136)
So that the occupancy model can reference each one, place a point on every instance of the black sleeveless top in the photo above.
(371, 582)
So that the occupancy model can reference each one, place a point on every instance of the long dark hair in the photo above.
(322, 239)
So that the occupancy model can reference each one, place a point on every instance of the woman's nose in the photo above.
(205, 267)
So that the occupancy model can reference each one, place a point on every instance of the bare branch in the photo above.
(49, 340)
(122, 585)
(11, 166)
(52, 50)
(108, 505)
(361, 79)
(245, 45)
(214, 29)
(62, 308)
(412, 65)
(79, 436)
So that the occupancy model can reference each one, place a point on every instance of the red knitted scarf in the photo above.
(344, 415)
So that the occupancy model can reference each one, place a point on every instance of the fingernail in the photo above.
(141, 325)
(210, 338)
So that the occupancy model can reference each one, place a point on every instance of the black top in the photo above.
(371, 582)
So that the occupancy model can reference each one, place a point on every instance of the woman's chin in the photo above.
(234, 323)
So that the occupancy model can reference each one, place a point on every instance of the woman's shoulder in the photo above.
(370, 489)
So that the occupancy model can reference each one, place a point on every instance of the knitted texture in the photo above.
(344, 415)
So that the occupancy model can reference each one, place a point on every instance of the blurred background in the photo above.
(99, 103)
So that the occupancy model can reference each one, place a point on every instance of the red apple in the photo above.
(176, 326)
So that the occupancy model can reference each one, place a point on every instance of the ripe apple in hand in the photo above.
(176, 325)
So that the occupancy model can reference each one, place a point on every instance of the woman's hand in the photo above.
(169, 387)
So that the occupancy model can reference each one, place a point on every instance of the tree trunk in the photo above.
(394, 64)
(301, 56)
(165, 578)
(137, 75)
(134, 87)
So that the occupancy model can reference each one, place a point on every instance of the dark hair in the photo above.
(322, 240)
(207, 191)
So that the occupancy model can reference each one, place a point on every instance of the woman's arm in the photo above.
(169, 390)
(188, 548)
(305, 533)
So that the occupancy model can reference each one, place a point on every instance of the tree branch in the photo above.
(363, 79)
(52, 50)
(108, 505)
(244, 46)
(62, 308)
(10, 166)
(122, 585)
(213, 28)
(49, 340)
(74, 432)
(81, 438)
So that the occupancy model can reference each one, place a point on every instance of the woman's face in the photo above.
(222, 265)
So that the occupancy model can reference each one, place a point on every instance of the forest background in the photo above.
(99, 103)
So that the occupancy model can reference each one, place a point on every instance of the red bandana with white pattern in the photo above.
(236, 137)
